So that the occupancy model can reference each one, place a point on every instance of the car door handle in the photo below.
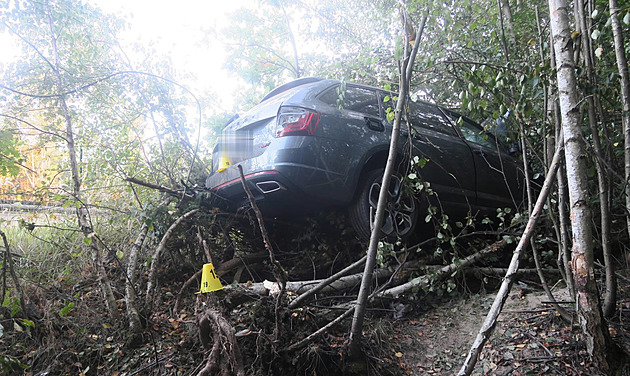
(374, 124)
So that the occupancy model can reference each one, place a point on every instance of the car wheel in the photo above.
(401, 210)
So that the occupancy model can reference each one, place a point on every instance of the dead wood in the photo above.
(419, 282)
(217, 336)
(160, 188)
(8, 264)
(326, 282)
(278, 271)
(425, 280)
(238, 262)
(155, 259)
(135, 325)
(342, 284)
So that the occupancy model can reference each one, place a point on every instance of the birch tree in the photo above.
(597, 338)
(610, 296)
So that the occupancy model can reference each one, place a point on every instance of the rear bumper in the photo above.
(290, 175)
(279, 189)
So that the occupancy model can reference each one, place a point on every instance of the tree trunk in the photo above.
(506, 10)
(597, 338)
(81, 208)
(135, 325)
(563, 247)
(624, 81)
(356, 329)
(610, 296)
(155, 259)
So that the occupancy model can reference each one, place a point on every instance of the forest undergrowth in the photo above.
(66, 328)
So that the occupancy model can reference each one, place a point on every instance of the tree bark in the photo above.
(325, 283)
(563, 247)
(597, 338)
(135, 325)
(447, 270)
(506, 20)
(7, 264)
(610, 296)
(624, 81)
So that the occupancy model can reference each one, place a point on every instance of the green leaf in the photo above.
(595, 34)
(26, 322)
(65, 310)
(87, 240)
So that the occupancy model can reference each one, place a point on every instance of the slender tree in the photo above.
(405, 77)
(610, 296)
(624, 81)
(597, 338)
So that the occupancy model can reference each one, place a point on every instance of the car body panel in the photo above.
(292, 173)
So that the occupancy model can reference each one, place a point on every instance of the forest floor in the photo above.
(529, 339)
(69, 332)
(431, 338)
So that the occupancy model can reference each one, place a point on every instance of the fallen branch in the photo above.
(326, 282)
(160, 188)
(155, 259)
(224, 353)
(445, 271)
(342, 284)
(423, 281)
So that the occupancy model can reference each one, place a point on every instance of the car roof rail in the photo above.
(290, 85)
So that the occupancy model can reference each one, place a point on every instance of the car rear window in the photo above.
(355, 98)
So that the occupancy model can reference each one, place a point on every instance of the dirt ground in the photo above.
(529, 339)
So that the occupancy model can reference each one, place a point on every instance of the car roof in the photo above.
(291, 85)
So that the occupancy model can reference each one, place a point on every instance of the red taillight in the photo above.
(296, 121)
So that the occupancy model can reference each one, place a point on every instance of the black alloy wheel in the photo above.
(401, 210)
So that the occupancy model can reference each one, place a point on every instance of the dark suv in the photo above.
(316, 143)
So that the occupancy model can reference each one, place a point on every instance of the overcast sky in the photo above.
(176, 28)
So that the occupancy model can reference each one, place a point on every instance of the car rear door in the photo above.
(449, 168)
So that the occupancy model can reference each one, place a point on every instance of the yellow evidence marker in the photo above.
(209, 280)
(224, 163)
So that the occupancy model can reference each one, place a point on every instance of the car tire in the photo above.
(401, 214)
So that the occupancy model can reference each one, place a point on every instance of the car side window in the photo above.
(474, 133)
(427, 116)
(355, 98)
